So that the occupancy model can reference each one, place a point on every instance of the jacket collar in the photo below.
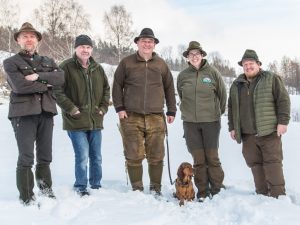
(141, 59)
(242, 78)
(92, 62)
(203, 64)
(26, 54)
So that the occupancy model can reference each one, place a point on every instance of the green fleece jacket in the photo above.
(85, 90)
(202, 93)
(143, 86)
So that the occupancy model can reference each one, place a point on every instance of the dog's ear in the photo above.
(180, 171)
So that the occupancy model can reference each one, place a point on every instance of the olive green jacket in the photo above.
(87, 91)
(202, 93)
(271, 104)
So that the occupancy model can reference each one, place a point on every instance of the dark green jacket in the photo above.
(32, 97)
(143, 86)
(87, 92)
(202, 93)
(271, 104)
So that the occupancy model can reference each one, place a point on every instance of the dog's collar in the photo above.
(182, 183)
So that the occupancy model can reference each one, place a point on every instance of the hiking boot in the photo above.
(156, 189)
(47, 192)
(83, 193)
(28, 202)
(44, 181)
(96, 187)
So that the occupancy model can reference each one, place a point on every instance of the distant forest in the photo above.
(62, 20)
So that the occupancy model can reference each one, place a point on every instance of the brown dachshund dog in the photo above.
(183, 183)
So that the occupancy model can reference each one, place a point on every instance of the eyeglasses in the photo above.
(191, 55)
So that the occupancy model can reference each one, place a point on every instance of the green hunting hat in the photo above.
(27, 27)
(194, 45)
(249, 54)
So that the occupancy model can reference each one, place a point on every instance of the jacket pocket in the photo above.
(26, 69)
(19, 99)
(47, 67)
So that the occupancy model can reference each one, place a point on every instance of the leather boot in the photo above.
(201, 181)
(44, 180)
(135, 175)
(25, 185)
(155, 174)
(215, 171)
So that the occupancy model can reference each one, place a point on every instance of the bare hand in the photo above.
(77, 112)
(170, 119)
(122, 115)
(32, 77)
(232, 134)
(101, 113)
(281, 129)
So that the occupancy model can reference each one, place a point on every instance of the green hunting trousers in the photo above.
(202, 140)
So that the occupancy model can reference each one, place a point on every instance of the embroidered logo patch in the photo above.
(206, 80)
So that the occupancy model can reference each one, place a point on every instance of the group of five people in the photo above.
(258, 114)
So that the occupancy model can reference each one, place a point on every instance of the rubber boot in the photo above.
(155, 174)
(135, 175)
(25, 184)
(44, 180)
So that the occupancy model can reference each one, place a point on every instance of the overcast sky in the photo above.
(271, 27)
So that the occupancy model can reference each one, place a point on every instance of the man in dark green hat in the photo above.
(258, 115)
(32, 78)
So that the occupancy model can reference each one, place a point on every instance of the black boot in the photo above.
(44, 180)
(25, 185)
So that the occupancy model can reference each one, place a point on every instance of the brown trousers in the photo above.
(202, 140)
(264, 156)
(143, 137)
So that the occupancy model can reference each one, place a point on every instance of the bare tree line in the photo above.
(62, 20)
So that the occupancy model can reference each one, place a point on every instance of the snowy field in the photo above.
(116, 204)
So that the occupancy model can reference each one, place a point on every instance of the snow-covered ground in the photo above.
(116, 204)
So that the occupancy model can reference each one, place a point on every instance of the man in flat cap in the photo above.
(32, 79)
(142, 84)
(258, 115)
(84, 100)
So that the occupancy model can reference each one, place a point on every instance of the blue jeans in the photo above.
(87, 146)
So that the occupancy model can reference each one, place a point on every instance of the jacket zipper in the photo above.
(197, 76)
(89, 106)
(145, 93)
(255, 88)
